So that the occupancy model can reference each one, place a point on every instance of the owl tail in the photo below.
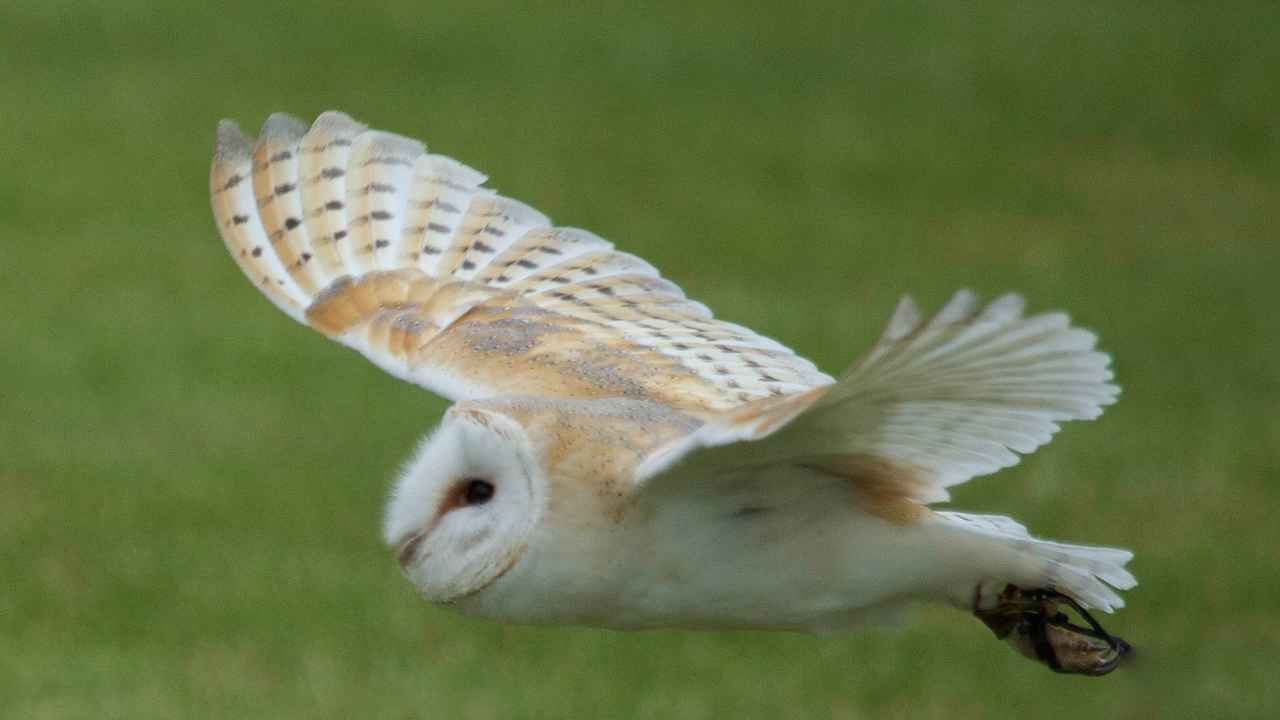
(1023, 585)
(1006, 553)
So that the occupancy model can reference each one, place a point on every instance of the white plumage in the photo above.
(620, 457)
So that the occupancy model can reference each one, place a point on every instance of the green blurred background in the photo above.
(190, 483)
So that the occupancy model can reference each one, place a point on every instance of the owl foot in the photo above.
(1031, 622)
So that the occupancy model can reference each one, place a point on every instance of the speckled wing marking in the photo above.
(403, 255)
(276, 191)
(243, 227)
(322, 170)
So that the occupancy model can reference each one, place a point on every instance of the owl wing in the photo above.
(405, 257)
(932, 405)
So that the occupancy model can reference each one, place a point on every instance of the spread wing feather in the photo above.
(932, 403)
(406, 257)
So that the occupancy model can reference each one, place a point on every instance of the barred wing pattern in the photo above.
(406, 257)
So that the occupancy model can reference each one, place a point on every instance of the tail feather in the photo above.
(1086, 573)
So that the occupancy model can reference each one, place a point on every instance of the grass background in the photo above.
(190, 483)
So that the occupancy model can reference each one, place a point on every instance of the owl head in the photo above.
(462, 509)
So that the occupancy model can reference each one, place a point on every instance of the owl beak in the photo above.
(408, 552)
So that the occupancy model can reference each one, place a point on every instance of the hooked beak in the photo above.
(408, 552)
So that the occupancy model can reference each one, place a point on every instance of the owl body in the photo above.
(777, 546)
(755, 560)
(776, 552)
(618, 456)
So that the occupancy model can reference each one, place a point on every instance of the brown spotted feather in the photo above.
(275, 186)
(235, 208)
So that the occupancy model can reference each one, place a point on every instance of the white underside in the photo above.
(780, 553)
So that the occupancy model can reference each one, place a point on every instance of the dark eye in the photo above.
(477, 492)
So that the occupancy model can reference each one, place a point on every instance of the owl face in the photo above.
(462, 510)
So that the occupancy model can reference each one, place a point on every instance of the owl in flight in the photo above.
(616, 456)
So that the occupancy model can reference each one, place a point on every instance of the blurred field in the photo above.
(190, 483)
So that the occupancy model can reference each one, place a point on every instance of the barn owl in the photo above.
(619, 457)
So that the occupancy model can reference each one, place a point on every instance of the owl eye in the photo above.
(477, 491)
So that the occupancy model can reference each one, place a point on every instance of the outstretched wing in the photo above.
(932, 405)
(404, 256)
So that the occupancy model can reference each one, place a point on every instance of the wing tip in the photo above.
(964, 297)
(281, 128)
(337, 120)
(231, 143)
(388, 144)
(1004, 308)
(962, 307)
(586, 237)
(906, 318)
(522, 212)
(457, 171)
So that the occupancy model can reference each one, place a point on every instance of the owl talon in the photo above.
(1031, 622)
